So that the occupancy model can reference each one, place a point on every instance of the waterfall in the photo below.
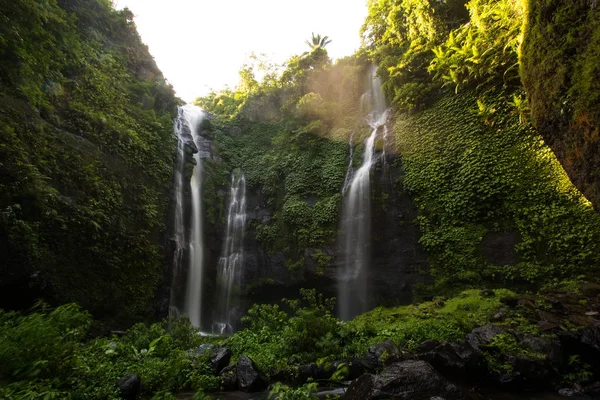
(356, 211)
(230, 263)
(186, 129)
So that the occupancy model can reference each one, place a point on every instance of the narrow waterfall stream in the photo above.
(231, 261)
(356, 212)
(186, 129)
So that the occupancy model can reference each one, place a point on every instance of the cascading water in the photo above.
(186, 129)
(356, 212)
(231, 261)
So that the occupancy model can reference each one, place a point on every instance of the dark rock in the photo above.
(487, 293)
(498, 317)
(498, 248)
(511, 301)
(458, 360)
(413, 380)
(381, 354)
(428, 345)
(306, 372)
(202, 349)
(229, 380)
(590, 289)
(585, 342)
(483, 335)
(249, 377)
(593, 390)
(129, 386)
(325, 370)
(550, 347)
(547, 326)
(546, 316)
(361, 388)
(220, 359)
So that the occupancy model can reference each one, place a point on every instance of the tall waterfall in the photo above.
(186, 129)
(231, 261)
(356, 212)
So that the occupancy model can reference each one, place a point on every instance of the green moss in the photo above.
(87, 148)
(472, 174)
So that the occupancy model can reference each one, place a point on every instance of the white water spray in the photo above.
(230, 263)
(186, 129)
(356, 212)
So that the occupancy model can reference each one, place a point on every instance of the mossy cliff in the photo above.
(86, 148)
(561, 73)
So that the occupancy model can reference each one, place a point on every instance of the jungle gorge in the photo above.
(418, 220)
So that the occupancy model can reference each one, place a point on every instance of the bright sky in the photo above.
(201, 44)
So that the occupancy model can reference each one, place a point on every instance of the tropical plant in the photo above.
(318, 42)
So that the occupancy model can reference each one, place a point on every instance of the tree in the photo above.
(318, 42)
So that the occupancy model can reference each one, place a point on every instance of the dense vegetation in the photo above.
(86, 150)
(86, 161)
(289, 135)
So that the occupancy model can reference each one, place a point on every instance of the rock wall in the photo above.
(560, 71)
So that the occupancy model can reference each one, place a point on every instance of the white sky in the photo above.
(201, 44)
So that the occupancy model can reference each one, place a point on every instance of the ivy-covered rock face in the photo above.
(485, 184)
(86, 147)
(561, 73)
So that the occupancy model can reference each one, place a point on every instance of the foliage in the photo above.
(485, 50)
(86, 151)
(273, 336)
(307, 391)
(400, 35)
(42, 354)
(475, 172)
(281, 158)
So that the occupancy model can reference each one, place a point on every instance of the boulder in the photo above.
(381, 354)
(202, 349)
(413, 380)
(229, 380)
(482, 336)
(306, 372)
(129, 386)
(249, 377)
(458, 360)
(590, 289)
(220, 359)
(361, 388)
(585, 342)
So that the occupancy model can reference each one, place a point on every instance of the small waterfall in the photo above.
(230, 263)
(356, 212)
(186, 129)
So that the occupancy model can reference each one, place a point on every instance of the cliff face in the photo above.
(87, 152)
(277, 266)
(560, 71)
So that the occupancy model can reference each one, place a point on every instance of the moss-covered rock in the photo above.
(561, 73)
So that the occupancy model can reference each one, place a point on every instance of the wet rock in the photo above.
(413, 380)
(483, 335)
(590, 289)
(381, 354)
(549, 347)
(498, 317)
(229, 380)
(458, 360)
(129, 386)
(361, 388)
(585, 342)
(202, 349)
(547, 326)
(428, 345)
(250, 379)
(220, 359)
(306, 372)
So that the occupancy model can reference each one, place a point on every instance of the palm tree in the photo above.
(318, 42)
